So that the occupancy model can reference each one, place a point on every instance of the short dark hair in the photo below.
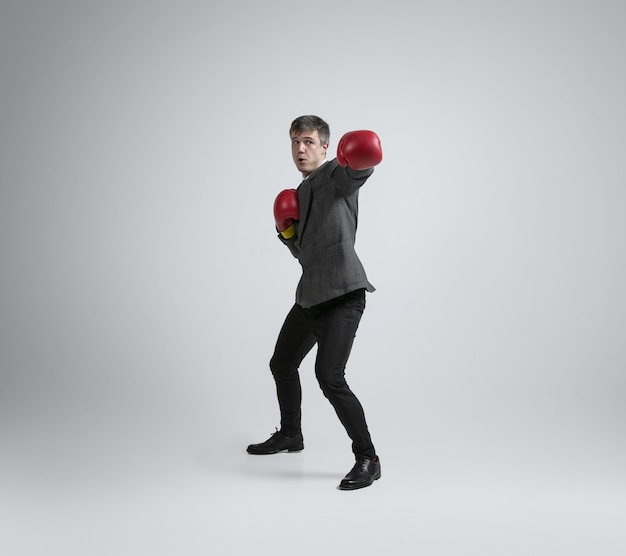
(311, 123)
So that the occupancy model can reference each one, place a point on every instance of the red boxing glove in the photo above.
(359, 150)
(286, 210)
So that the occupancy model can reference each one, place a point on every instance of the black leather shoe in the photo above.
(276, 443)
(365, 471)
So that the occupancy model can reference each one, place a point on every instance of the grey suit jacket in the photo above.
(326, 232)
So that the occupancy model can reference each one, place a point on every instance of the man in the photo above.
(318, 222)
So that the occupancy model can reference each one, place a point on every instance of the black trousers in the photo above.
(332, 326)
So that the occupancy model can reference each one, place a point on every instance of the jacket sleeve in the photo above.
(290, 243)
(348, 179)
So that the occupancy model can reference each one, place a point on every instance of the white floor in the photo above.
(207, 496)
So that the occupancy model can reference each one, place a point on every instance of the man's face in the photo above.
(307, 150)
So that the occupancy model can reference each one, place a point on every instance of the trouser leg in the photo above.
(295, 340)
(335, 325)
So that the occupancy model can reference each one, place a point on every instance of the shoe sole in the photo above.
(290, 449)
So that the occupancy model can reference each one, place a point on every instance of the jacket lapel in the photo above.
(304, 200)
(305, 195)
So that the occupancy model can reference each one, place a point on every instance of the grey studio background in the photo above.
(142, 286)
